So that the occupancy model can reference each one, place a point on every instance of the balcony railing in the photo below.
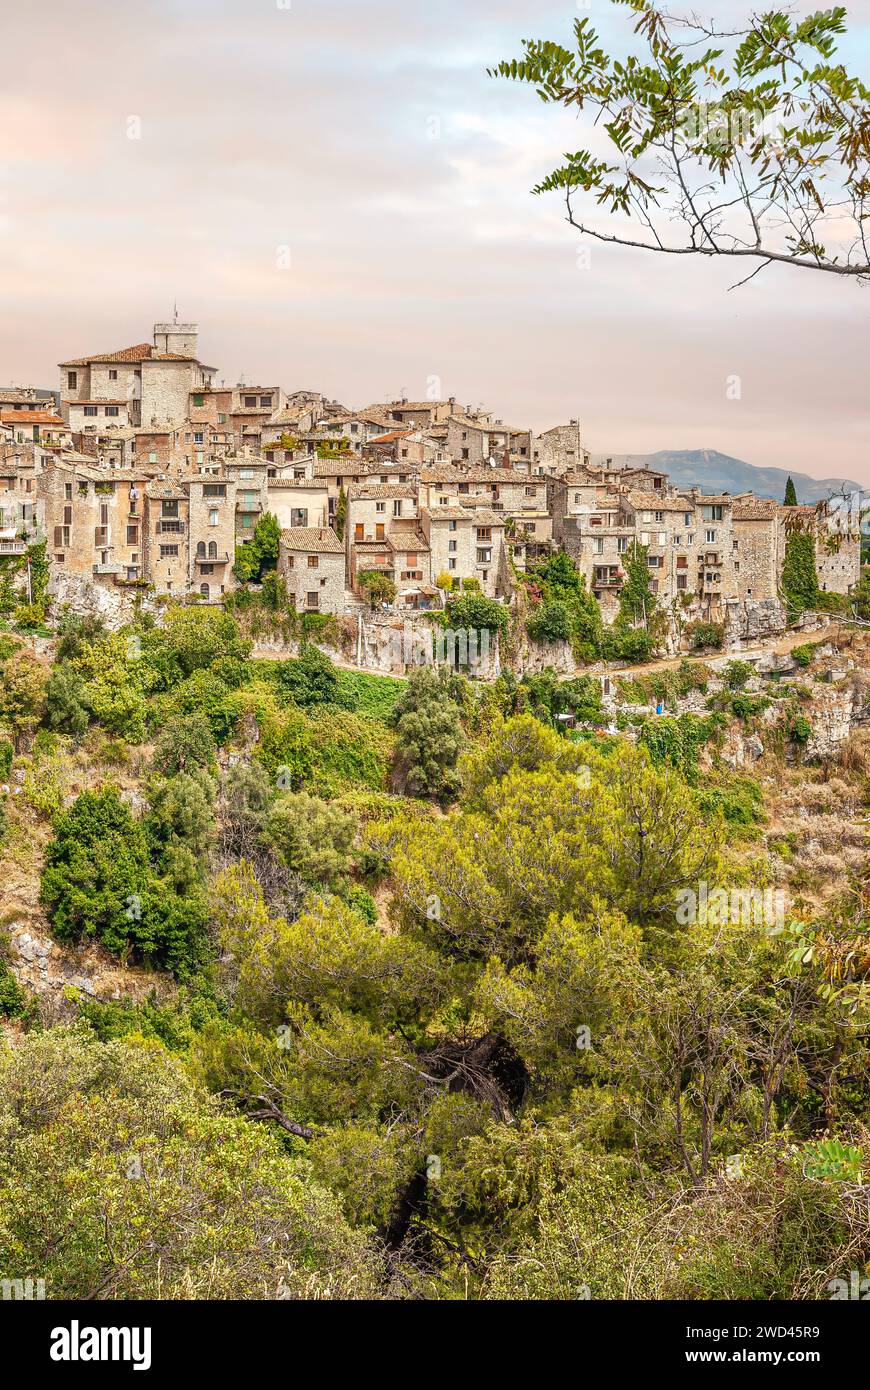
(222, 559)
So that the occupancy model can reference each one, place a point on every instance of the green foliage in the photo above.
(311, 679)
(620, 643)
(341, 512)
(803, 654)
(736, 799)
(314, 837)
(636, 599)
(790, 499)
(703, 634)
(66, 701)
(737, 674)
(677, 741)
(692, 102)
(174, 1199)
(561, 583)
(476, 613)
(374, 696)
(23, 681)
(260, 553)
(550, 622)
(185, 741)
(800, 583)
(98, 883)
(13, 1001)
(377, 587)
(430, 738)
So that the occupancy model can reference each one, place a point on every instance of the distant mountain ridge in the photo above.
(715, 472)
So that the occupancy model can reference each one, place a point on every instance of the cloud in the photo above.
(370, 141)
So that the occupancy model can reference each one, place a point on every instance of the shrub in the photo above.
(377, 587)
(550, 622)
(737, 673)
(475, 612)
(185, 742)
(703, 634)
(97, 883)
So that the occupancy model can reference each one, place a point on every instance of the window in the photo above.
(530, 491)
(198, 399)
(313, 562)
(132, 535)
(484, 556)
(214, 518)
(204, 590)
(90, 410)
(72, 380)
(206, 569)
(713, 513)
(682, 562)
(244, 472)
(67, 491)
(598, 546)
(710, 537)
(214, 490)
(313, 598)
(465, 453)
(212, 550)
(200, 549)
(380, 506)
(152, 457)
(452, 525)
(197, 437)
(265, 400)
(113, 375)
(250, 401)
(397, 506)
(451, 546)
(451, 564)
(168, 552)
(687, 518)
(682, 581)
(621, 544)
(111, 410)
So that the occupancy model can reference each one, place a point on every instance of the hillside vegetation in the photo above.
(317, 984)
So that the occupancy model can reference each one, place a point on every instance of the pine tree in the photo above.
(790, 499)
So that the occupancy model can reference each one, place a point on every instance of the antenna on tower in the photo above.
(175, 312)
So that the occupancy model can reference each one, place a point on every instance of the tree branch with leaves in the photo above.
(752, 144)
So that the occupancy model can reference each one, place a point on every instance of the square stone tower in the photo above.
(176, 337)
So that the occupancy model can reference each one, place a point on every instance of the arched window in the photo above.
(212, 550)
(204, 590)
(200, 550)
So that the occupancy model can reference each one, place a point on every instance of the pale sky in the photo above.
(367, 140)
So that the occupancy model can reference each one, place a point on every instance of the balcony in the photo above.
(112, 568)
(607, 578)
(222, 559)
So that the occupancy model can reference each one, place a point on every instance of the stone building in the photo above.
(94, 521)
(151, 383)
(559, 450)
(466, 543)
(311, 561)
(211, 534)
